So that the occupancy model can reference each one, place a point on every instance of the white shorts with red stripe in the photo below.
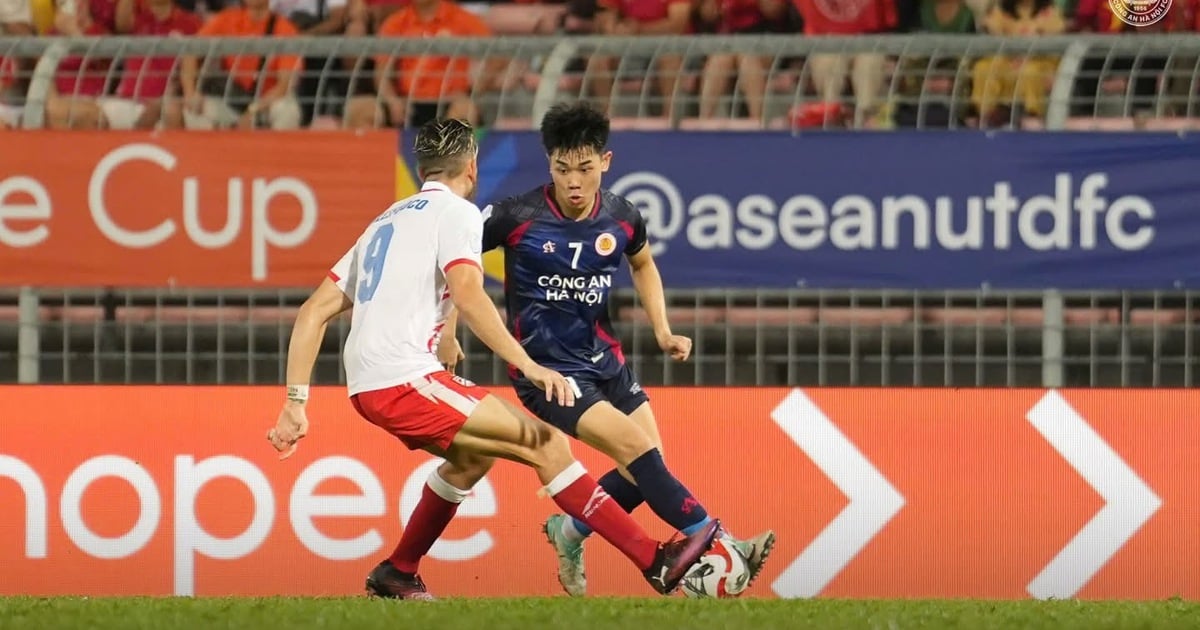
(427, 411)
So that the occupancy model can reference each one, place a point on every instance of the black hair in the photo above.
(573, 126)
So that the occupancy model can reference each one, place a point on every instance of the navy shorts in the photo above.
(622, 391)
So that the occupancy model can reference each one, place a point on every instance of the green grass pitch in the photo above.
(361, 613)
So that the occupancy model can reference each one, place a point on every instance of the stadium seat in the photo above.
(325, 123)
(1085, 123)
(513, 124)
(182, 314)
(1091, 316)
(779, 123)
(73, 314)
(1172, 124)
(865, 316)
(983, 316)
(171, 314)
(771, 316)
(1160, 317)
(273, 314)
(641, 124)
(522, 19)
(720, 124)
(571, 83)
(69, 314)
(683, 315)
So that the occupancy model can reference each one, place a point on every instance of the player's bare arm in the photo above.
(477, 310)
(325, 303)
(648, 284)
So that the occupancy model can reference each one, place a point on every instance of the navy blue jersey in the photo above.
(558, 273)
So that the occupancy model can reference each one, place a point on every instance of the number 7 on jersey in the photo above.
(578, 249)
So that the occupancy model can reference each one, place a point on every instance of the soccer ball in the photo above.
(722, 572)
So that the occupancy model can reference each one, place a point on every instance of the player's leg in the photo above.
(567, 534)
(499, 429)
(613, 433)
(628, 398)
(564, 533)
(447, 487)
(422, 423)
(598, 423)
(755, 549)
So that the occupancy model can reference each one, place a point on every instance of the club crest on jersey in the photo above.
(606, 244)
(548, 247)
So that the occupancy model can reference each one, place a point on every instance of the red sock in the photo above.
(428, 521)
(583, 499)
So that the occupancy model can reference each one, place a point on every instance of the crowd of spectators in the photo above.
(289, 92)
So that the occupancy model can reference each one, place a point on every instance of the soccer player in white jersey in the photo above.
(411, 265)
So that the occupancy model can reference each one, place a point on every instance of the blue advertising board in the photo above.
(898, 209)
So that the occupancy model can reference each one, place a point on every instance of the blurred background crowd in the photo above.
(368, 91)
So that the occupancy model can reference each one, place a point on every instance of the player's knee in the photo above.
(627, 446)
(554, 451)
(465, 470)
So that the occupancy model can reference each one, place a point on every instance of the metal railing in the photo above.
(752, 337)
(926, 81)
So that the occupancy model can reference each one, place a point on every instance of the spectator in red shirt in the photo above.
(640, 17)
(72, 101)
(148, 90)
(744, 17)
(1103, 81)
(848, 17)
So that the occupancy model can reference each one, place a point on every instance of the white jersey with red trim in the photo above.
(396, 276)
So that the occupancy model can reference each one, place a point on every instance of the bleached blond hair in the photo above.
(444, 147)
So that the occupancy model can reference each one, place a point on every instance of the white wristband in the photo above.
(297, 393)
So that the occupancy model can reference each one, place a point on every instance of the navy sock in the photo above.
(624, 492)
(665, 495)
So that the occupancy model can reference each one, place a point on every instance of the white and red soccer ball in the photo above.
(722, 572)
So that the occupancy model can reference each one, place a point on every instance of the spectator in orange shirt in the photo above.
(415, 90)
(640, 17)
(251, 91)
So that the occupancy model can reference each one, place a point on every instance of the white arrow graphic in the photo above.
(873, 501)
(1128, 501)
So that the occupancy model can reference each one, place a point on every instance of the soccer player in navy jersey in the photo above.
(563, 243)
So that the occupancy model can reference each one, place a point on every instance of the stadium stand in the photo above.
(921, 67)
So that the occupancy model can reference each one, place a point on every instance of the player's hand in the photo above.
(289, 429)
(678, 346)
(449, 353)
(556, 385)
